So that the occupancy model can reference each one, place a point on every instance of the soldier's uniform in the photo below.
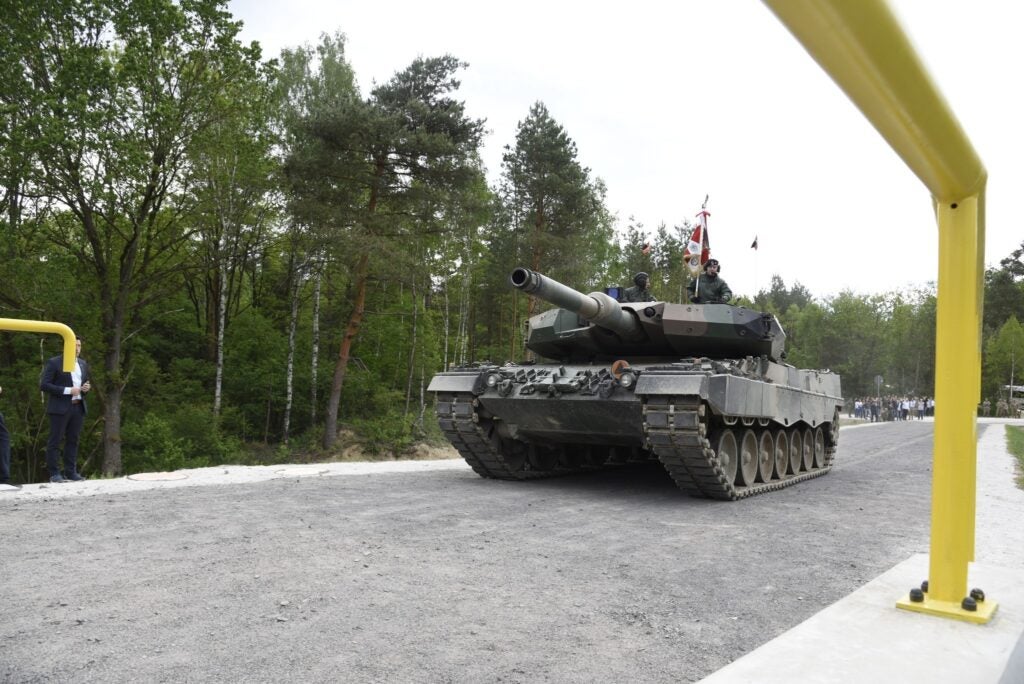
(708, 288)
(639, 292)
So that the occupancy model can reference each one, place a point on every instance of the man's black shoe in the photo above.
(74, 477)
(57, 478)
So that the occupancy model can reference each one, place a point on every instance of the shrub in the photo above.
(151, 445)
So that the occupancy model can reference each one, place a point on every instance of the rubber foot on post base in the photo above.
(950, 609)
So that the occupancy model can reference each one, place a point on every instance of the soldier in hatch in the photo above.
(639, 293)
(709, 288)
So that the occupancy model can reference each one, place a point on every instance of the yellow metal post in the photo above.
(865, 50)
(18, 325)
(958, 356)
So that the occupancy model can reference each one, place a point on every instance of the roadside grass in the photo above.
(1015, 444)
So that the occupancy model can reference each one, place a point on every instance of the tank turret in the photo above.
(595, 326)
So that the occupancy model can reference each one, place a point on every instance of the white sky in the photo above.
(669, 102)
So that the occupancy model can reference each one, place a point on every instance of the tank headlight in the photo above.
(493, 379)
(627, 379)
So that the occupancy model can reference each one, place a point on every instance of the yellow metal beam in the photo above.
(866, 52)
(863, 48)
(18, 325)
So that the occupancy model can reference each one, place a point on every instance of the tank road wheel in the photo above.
(513, 453)
(728, 454)
(819, 448)
(765, 456)
(580, 457)
(807, 454)
(541, 458)
(781, 454)
(748, 458)
(796, 451)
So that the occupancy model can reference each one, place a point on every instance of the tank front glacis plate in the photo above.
(552, 402)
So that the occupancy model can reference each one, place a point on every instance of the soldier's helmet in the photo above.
(713, 262)
(641, 278)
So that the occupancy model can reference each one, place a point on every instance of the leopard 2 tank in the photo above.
(702, 388)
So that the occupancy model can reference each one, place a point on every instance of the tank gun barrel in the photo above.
(596, 307)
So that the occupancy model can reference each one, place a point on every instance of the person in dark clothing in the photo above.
(66, 408)
(639, 293)
(709, 288)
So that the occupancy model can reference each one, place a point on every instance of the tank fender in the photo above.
(652, 383)
(735, 396)
(452, 382)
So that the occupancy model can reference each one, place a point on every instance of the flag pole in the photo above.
(756, 249)
(698, 248)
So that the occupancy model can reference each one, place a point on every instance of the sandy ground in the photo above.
(422, 571)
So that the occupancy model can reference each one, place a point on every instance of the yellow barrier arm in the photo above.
(864, 49)
(64, 331)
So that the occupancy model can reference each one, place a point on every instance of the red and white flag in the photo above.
(698, 249)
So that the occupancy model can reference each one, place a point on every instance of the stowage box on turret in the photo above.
(702, 388)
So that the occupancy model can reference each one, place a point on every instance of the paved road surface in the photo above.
(444, 576)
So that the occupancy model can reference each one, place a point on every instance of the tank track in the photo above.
(677, 430)
(474, 438)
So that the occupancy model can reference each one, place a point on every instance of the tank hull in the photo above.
(720, 426)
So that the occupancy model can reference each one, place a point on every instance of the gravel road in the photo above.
(439, 575)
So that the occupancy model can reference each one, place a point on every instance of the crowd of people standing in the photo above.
(892, 407)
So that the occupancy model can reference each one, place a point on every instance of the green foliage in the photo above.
(553, 216)
(198, 428)
(1015, 445)
(187, 437)
(1004, 359)
(151, 444)
(375, 412)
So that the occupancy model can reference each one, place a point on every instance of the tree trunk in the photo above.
(419, 427)
(222, 308)
(316, 347)
(355, 320)
(412, 351)
(341, 366)
(465, 304)
(113, 390)
(290, 365)
(446, 326)
(266, 422)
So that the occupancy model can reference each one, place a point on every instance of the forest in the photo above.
(267, 264)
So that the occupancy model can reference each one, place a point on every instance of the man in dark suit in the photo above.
(66, 408)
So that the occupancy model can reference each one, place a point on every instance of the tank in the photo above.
(702, 388)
